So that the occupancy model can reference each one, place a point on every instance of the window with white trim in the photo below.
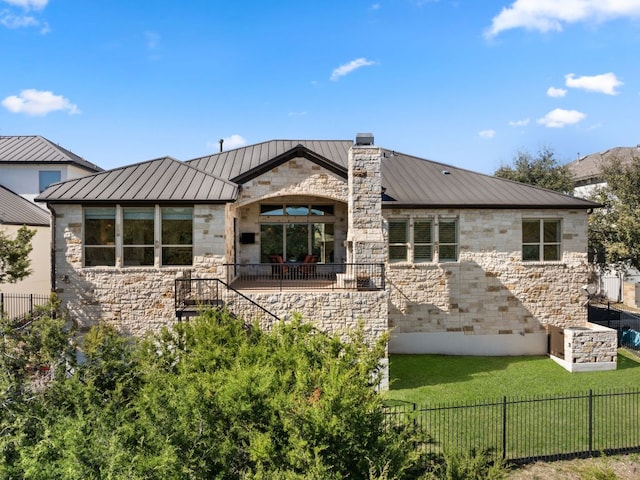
(541, 240)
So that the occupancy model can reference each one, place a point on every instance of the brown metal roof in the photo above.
(234, 164)
(36, 149)
(160, 180)
(16, 210)
(588, 169)
(414, 182)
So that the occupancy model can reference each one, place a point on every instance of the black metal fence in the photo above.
(298, 275)
(18, 306)
(521, 430)
(626, 323)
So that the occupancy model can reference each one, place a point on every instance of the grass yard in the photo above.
(440, 378)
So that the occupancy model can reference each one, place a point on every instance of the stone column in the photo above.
(365, 242)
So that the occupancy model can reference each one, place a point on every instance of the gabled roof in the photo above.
(414, 182)
(27, 149)
(160, 180)
(588, 169)
(242, 163)
(16, 210)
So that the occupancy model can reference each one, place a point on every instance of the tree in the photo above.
(614, 229)
(542, 171)
(14, 255)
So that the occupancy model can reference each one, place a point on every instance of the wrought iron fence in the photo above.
(297, 275)
(18, 306)
(521, 430)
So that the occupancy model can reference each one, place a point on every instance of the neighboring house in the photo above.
(448, 260)
(16, 211)
(28, 165)
(587, 176)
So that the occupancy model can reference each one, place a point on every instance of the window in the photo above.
(99, 236)
(47, 177)
(422, 241)
(177, 236)
(147, 236)
(541, 240)
(296, 210)
(412, 240)
(138, 236)
(398, 240)
(448, 240)
(293, 241)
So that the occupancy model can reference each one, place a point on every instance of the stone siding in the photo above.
(490, 290)
(590, 344)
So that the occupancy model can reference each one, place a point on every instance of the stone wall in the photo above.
(589, 348)
(490, 290)
(133, 299)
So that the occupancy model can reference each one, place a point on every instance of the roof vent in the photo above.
(364, 139)
(446, 172)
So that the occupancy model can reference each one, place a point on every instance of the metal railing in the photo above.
(192, 295)
(521, 430)
(18, 306)
(296, 276)
(627, 324)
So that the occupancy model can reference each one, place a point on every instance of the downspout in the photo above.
(53, 247)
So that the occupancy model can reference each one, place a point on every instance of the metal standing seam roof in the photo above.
(37, 149)
(414, 182)
(410, 182)
(232, 164)
(16, 210)
(160, 180)
(589, 167)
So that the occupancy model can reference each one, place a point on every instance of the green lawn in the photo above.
(439, 378)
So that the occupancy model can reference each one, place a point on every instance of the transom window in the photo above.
(295, 210)
(541, 240)
(412, 240)
(139, 236)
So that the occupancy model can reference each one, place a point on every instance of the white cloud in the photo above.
(347, 68)
(10, 20)
(551, 15)
(605, 83)
(229, 143)
(559, 118)
(153, 40)
(556, 92)
(487, 133)
(519, 123)
(38, 103)
(28, 4)
(297, 114)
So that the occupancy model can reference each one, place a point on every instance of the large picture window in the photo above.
(99, 236)
(147, 236)
(541, 240)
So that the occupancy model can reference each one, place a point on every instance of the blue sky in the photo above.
(466, 82)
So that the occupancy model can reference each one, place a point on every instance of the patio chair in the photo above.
(308, 267)
(278, 267)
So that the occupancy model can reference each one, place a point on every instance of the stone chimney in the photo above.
(365, 242)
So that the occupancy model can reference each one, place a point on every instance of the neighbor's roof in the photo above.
(36, 149)
(16, 210)
(409, 181)
(160, 180)
(588, 169)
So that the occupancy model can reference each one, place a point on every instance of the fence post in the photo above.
(590, 422)
(504, 427)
